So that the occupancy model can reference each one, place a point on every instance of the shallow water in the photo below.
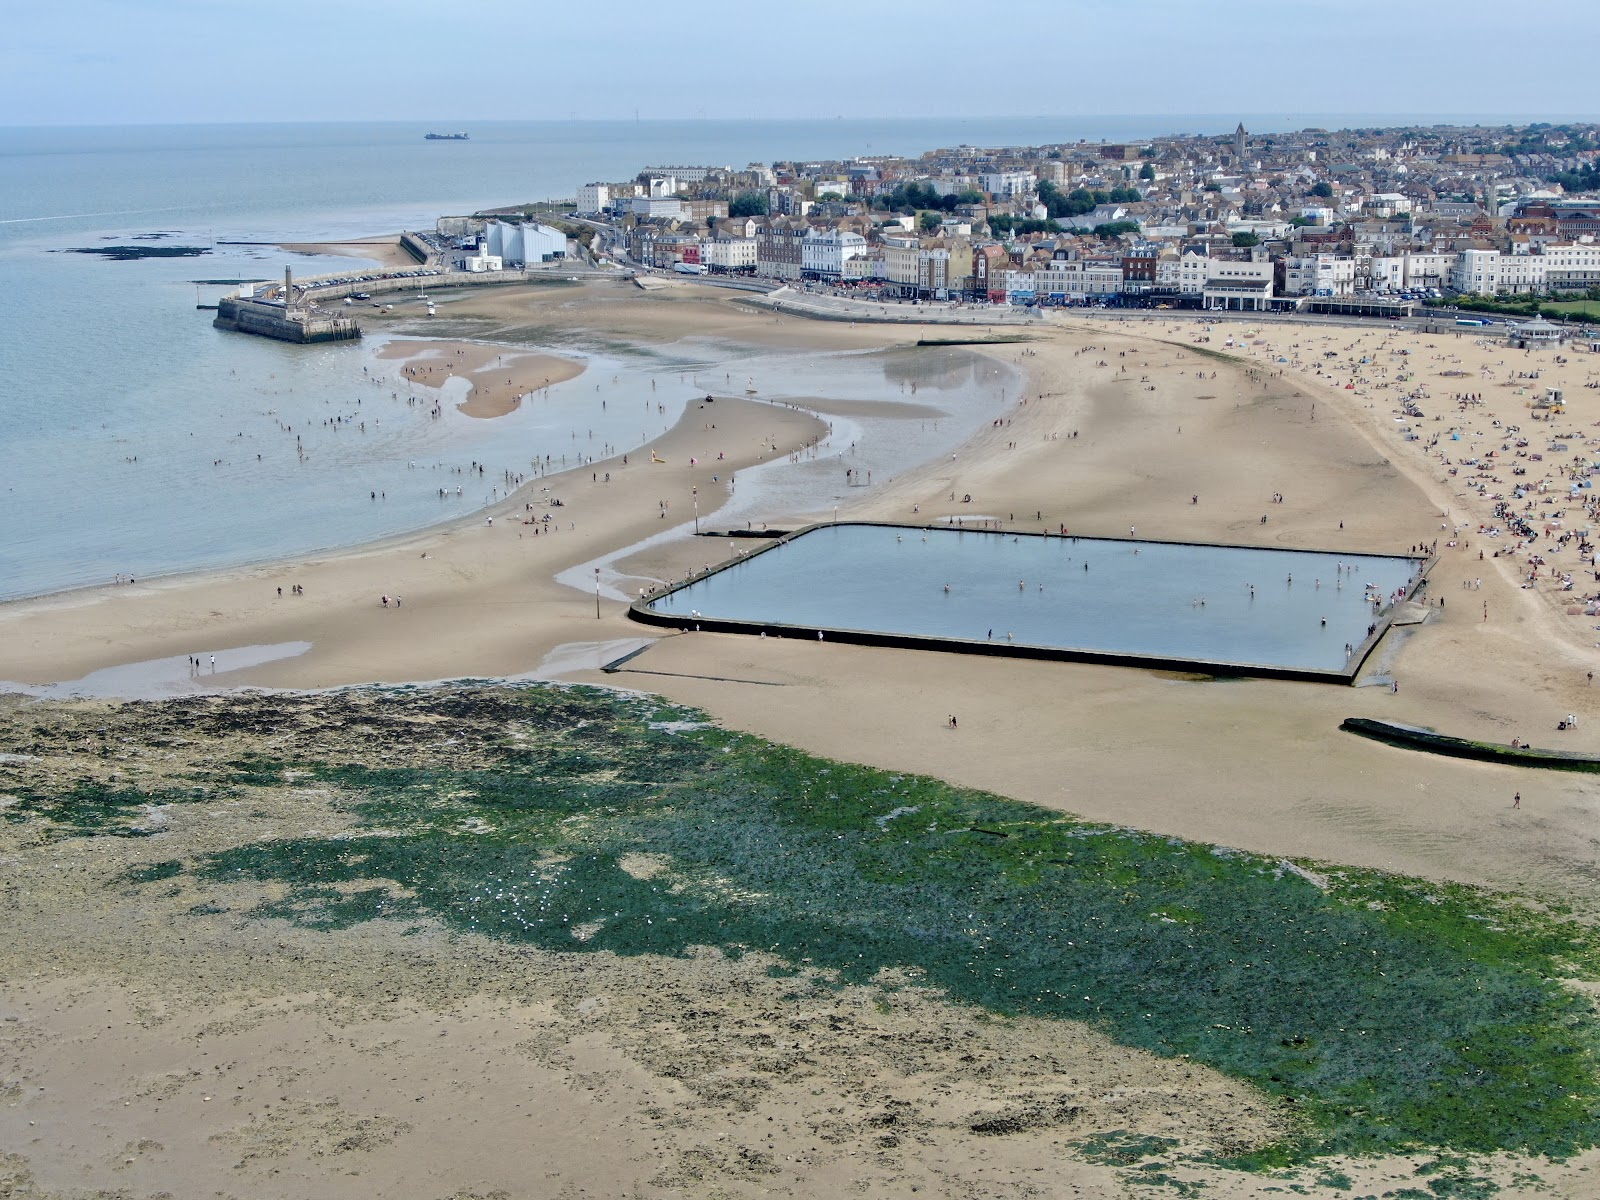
(156, 678)
(1159, 599)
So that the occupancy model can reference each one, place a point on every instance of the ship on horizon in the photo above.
(446, 137)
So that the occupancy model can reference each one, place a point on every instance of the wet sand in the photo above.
(498, 379)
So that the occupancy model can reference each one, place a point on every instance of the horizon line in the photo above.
(1410, 118)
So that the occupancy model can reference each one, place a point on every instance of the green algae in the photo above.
(1385, 1014)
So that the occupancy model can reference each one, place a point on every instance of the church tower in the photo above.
(1238, 142)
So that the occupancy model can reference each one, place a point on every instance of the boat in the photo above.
(446, 137)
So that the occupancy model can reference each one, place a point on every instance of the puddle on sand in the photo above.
(583, 656)
(158, 677)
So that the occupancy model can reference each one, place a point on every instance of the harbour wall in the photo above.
(264, 320)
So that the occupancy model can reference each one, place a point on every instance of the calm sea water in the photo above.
(136, 439)
(1229, 604)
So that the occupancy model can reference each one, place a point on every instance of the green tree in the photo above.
(929, 221)
(1244, 240)
(1147, 172)
(748, 204)
(1323, 188)
(1111, 229)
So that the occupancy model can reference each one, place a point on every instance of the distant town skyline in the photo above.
(89, 62)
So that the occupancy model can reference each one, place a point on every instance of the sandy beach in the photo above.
(498, 381)
(385, 250)
(1155, 424)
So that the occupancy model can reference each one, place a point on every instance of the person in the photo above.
(213, 662)
(1516, 800)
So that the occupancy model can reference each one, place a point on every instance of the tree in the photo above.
(1323, 188)
(1111, 229)
(748, 204)
(1147, 172)
(1004, 225)
(1244, 240)
(929, 221)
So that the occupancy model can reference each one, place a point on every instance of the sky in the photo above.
(94, 62)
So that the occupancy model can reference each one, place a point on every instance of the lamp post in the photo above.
(597, 593)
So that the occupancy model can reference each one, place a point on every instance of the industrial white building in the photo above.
(525, 244)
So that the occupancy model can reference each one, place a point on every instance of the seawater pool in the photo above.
(1207, 605)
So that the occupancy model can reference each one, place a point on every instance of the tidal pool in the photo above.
(1245, 608)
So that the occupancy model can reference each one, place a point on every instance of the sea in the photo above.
(137, 441)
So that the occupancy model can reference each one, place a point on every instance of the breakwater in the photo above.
(267, 319)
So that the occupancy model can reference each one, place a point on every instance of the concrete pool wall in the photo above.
(645, 611)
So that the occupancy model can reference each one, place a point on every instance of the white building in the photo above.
(1239, 286)
(1572, 267)
(482, 261)
(1423, 270)
(594, 197)
(657, 206)
(1193, 269)
(1021, 286)
(825, 253)
(524, 244)
(1388, 204)
(728, 253)
(1005, 184)
(1319, 275)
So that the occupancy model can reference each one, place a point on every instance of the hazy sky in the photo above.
(164, 61)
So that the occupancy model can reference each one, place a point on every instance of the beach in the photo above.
(1147, 425)
(497, 382)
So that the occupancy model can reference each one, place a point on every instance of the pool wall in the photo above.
(641, 611)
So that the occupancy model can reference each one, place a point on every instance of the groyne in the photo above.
(1413, 737)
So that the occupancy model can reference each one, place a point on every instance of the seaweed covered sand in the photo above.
(325, 931)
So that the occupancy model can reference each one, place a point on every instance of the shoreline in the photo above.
(39, 627)
(1114, 428)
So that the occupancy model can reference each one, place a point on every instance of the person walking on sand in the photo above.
(213, 664)
(1516, 800)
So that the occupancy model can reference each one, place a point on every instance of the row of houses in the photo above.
(1336, 215)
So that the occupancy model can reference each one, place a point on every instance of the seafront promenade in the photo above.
(843, 308)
